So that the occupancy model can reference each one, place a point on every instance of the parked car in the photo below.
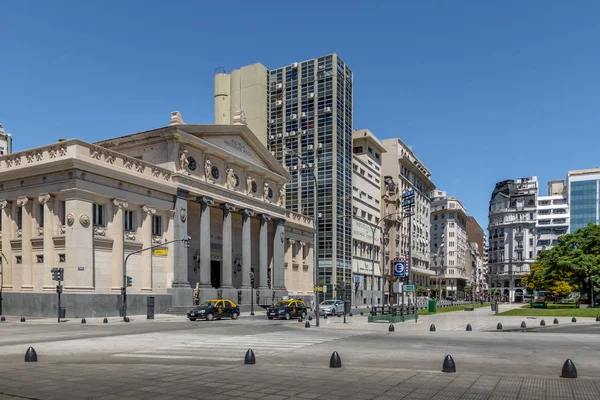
(331, 307)
(212, 309)
(287, 309)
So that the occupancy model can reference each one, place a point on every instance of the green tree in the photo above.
(573, 260)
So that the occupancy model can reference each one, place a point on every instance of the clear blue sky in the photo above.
(482, 90)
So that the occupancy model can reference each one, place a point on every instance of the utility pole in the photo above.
(408, 203)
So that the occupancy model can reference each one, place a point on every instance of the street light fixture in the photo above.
(316, 226)
(2, 277)
(251, 293)
(127, 281)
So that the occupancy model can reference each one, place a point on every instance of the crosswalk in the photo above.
(232, 347)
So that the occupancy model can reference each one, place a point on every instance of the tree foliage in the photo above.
(569, 264)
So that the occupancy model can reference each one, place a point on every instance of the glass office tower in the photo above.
(310, 111)
(584, 198)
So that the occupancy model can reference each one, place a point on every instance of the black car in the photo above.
(287, 309)
(212, 309)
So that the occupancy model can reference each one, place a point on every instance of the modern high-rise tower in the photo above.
(304, 109)
(5, 142)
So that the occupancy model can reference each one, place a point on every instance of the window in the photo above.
(62, 211)
(357, 149)
(157, 225)
(98, 211)
(40, 259)
(18, 260)
(20, 218)
(129, 221)
(41, 216)
(62, 258)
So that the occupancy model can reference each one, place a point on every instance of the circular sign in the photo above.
(531, 286)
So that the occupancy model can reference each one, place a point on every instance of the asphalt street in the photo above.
(176, 358)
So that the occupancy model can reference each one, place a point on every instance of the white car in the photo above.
(331, 307)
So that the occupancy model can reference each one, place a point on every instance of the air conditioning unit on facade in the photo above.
(303, 115)
(279, 103)
(293, 133)
(286, 134)
(279, 86)
(295, 65)
(328, 110)
(294, 117)
(311, 95)
(310, 147)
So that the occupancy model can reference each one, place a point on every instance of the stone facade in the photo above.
(86, 207)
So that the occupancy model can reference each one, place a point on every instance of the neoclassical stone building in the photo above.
(85, 207)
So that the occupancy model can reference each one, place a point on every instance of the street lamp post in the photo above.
(127, 280)
(251, 293)
(2, 277)
(316, 225)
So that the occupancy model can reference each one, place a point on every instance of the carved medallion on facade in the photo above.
(84, 220)
(182, 214)
(70, 219)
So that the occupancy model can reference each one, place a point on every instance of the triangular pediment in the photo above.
(236, 145)
(239, 142)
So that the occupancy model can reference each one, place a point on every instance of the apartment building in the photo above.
(366, 208)
(5, 142)
(403, 171)
(552, 216)
(449, 247)
(512, 235)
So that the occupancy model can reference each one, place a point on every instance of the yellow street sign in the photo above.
(161, 252)
(318, 289)
(531, 286)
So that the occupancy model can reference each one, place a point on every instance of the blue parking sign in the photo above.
(399, 268)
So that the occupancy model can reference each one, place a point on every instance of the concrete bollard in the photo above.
(249, 359)
(432, 328)
(83, 321)
(523, 325)
(573, 319)
(448, 365)
(22, 319)
(335, 361)
(391, 328)
(499, 326)
(555, 321)
(105, 320)
(568, 370)
(31, 355)
(542, 323)
(307, 324)
(469, 328)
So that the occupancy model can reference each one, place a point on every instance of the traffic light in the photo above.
(59, 289)
(58, 274)
(186, 241)
(129, 281)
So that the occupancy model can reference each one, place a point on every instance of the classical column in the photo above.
(7, 234)
(246, 247)
(226, 266)
(180, 273)
(263, 263)
(50, 259)
(205, 204)
(26, 250)
(278, 255)
(118, 251)
(146, 267)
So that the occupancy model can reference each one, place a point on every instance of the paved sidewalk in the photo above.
(481, 319)
(263, 381)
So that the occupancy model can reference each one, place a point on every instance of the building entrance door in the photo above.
(215, 273)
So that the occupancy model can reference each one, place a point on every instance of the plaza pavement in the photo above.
(171, 358)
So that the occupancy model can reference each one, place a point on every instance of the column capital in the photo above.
(22, 201)
(248, 213)
(227, 207)
(120, 203)
(302, 244)
(3, 203)
(150, 210)
(205, 201)
(44, 198)
(281, 221)
(265, 217)
(292, 241)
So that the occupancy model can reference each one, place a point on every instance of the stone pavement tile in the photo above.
(533, 388)
(308, 395)
(234, 392)
(254, 395)
(584, 387)
(275, 397)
